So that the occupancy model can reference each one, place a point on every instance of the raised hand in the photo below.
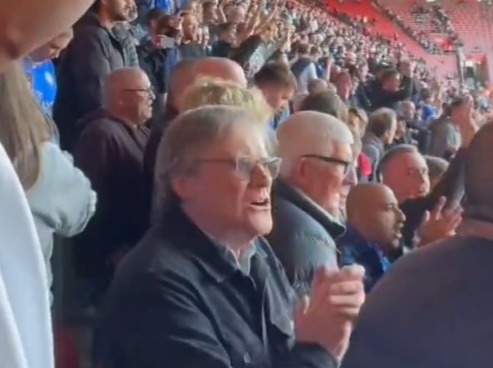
(439, 223)
(326, 317)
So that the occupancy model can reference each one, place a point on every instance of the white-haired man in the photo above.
(317, 157)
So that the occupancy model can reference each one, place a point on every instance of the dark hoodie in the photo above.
(111, 155)
(89, 58)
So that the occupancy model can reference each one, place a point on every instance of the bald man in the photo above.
(110, 151)
(433, 309)
(374, 223)
(316, 153)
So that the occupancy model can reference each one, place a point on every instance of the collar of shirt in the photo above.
(243, 262)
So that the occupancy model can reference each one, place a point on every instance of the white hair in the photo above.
(309, 132)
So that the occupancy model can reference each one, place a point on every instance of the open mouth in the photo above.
(261, 203)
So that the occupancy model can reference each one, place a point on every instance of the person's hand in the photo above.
(439, 223)
(468, 129)
(326, 316)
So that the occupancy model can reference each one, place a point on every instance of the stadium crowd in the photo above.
(237, 177)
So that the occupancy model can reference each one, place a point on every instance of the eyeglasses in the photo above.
(245, 166)
(345, 164)
(150, 90)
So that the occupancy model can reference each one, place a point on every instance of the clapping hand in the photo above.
(439, 223)
(326, 316)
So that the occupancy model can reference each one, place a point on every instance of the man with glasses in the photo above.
(110, 151)
(316, 150)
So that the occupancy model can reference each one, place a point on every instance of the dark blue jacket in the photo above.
(178, 300)
(356, 250)
(302, 237)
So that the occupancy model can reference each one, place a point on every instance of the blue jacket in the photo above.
(356, 250)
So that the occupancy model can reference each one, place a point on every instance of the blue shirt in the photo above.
(279, 118)
(356, 250)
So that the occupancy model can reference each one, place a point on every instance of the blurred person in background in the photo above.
(277, 84)
(226, 40)
(445, 132)
(110, 151)
(86, 63)
(389, 89)
(380, 133)
(436, 169)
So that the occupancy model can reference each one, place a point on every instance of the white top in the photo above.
(26, 339)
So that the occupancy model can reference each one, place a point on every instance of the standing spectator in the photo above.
(304, 70)
(226, 39)
(382, 125)
(110, 151)
(91, 56)
(277, 84)
(190, 47)
(445, 132)
(389, 89)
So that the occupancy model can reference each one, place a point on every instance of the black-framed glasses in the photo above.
(331, 160)
(245, 166)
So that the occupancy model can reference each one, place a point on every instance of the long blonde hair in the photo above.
(23, 127)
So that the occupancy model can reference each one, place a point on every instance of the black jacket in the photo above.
(111, 155)
(302, 237)
(178, 300)
(92, 54)
(382, 98)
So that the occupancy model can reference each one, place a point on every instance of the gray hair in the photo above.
(189, 134)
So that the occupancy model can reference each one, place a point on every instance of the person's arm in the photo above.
(27, 24)
(62, 196)
(169, 325)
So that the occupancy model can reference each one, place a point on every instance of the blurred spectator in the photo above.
(445, 132)
(388, 89)
(277, 84)
(326, 102)
(110, 152)
(436, 168)
(226, 39)
(90, 57)
(380, 133)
